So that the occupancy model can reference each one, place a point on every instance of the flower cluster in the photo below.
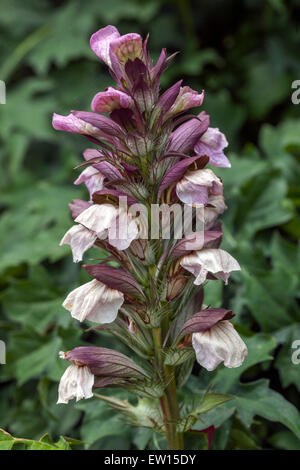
(149, 150)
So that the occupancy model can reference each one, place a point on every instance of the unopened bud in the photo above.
(176, 285)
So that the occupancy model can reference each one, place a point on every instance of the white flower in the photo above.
(92, 178)
(77, 382)
(94, 301)
(212, 144)
(210, 260)
(80, 239)
(216, 206)
(123, 232)
(196, 187)
(108, 221)
(98, 218)
(221, 343)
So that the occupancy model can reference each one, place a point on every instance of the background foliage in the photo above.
(245, 55)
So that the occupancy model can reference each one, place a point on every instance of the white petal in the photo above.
(80, 239)
(123, 232)
(191, 193)
(213, 260)
(205, 177)
(211, 213)
(100, 42)
(94, 301)
(77, 382)
(92, 178)
(196, 186)
(221, 343)
(98, 217)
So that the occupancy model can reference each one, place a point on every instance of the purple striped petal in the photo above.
(115, 278)
(106, 168)
(105, 124)
(185, 137)
(176, 172)
(196, 241)
(204, 320)
(105, 362)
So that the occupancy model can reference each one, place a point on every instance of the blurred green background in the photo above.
(245, 54)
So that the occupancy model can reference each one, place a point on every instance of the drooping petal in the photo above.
(210, 260)
(212, 144)
(216, 206)
(77, 382)
(92, 178)
(111, 99)
(100, 42)
(98, 218)
(221, 343)
(122, 233)
(80, 239)
(94, 301)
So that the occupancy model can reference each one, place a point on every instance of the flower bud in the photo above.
(176, 285)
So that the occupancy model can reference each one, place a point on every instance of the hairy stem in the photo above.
(168, 401)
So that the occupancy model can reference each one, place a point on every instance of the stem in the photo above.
(168, 401)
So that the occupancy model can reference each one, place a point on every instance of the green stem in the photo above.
(168, 401)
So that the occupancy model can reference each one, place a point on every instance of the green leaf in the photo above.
(35, 301)
(38, 361)
(285, 440)
(73, 41)
(269, 295)
(265, 88)
(261, 205)
(43, 219)
(7, 441)
(100, 421)
(210, 401)
(256, 398)
(33, 117)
